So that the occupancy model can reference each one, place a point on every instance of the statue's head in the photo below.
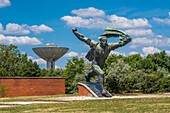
(103, 40)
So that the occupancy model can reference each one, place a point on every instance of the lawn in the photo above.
(135, 105)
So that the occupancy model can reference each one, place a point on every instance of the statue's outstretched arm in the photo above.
(122, 42)
(83, 38)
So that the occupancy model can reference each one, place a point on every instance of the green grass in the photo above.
(142, 105)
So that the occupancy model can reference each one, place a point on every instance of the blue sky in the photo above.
(34, 23)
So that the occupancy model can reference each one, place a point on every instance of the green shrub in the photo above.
(118, 75)
(163, 84)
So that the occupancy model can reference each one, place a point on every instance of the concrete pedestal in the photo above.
(90, 89)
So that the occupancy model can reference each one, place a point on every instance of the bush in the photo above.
(135, 80)
(163, 84)
(118, 74)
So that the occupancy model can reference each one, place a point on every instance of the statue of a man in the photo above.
(100, 51)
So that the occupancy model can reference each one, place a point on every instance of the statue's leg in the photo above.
(100, 74)
(89, 75)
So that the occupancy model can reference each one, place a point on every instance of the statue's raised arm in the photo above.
(83, 38)
(123, 37)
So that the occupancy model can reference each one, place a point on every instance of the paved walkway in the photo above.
(73, 98)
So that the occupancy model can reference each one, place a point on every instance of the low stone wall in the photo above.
(32, 86)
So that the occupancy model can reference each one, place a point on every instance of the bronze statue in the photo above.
(99, 52)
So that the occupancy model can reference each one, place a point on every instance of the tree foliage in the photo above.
(13, 63)
(117, 76)
(74, 73)
(149, 74)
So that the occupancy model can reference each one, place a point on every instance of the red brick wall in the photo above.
(82, 91)
(33, 86)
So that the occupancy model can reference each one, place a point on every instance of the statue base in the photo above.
(91, 89)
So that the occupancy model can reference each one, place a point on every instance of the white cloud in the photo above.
(117, 53)
(122, 22)
(162, 21)
(71, 54)
(87, 23)
(159, 36)
(89, 12)
(133, 46)
(140, 32)
(150, 50)
(38, 29)
(4, 3)
(1, 28)
(167, 52)
(101, 23)
(22, 40)
(39, 61)
(133, 53)
(163, 42)
(13, 28)
(142, 41)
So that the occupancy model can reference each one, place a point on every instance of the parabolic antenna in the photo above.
(50, 53)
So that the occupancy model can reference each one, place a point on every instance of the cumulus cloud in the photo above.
(39, 61)
(71, 54)
(133, 53)
(122, 22)
(150, 50)
(13, 28)
(142, 41)
(89, 12)
(140, 32)
(38, 29)
(101, 23)
(4, 3)
(161, 42)
(167, 52)
(117, 53)
(165, 21)
(22, 40)
(1, 28)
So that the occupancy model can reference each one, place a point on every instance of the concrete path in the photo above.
(74, 98)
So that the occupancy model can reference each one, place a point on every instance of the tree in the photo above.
(74, 73)
(156, 61)
(134, 60)
(52, 72)
(13, 63)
